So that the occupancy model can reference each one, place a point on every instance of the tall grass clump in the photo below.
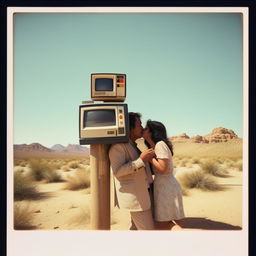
(82, 219)
(52, 176)
(200, 180)
(74, 164)
(184, 191)
(23, 216)
(210, 167)
(80, 180)
(38, 168)
(42, 170)
(24, 187)
(195, 160)
(239, 165)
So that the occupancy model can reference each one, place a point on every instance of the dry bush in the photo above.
(230, 163)
(23, 216)
(239, 165)
(38, 168)
(219, 160)
(24, 187)
(66, 168)
(74, 164)
(189, 165)
(200, 180)
(195, 160)
(19, 169)
(183, 163)
(55, 164)
(52, 176)
(210, 167)
(43, 170)
(184, 191)
(86, 161)
(80, 180)
(82, 219)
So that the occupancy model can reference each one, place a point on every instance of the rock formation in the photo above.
(218, 134)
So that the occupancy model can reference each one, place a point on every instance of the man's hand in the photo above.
(147, 155)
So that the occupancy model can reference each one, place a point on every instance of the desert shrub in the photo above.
(74, 164)
(23, 216)
(43, 170)
(183, 162)
(66, 168)
(16, 161)
(81, 219)
(38, 168)
(195, 160)
(86, 161)
(189, 165)
(52, 176)
(200, 180)
(55, 164)
(24, 187)
(219, 160)
(184, 191)
(230, 163)
(239, 165)
(80, 180)
(19, 169)
(212, 168)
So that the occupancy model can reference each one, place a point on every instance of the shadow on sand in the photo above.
(28, 227)
(204, 223)
(34, 197)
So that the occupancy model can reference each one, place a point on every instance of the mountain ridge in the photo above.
(57, 148)
(218, 135)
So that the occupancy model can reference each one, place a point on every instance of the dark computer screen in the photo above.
(99, 117)
(104, 84)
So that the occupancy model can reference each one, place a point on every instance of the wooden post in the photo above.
(100, 187)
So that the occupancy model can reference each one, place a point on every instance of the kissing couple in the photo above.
(144, 181)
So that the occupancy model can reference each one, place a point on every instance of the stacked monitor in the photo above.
(106, 122)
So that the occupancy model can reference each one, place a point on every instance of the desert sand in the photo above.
(62, 209)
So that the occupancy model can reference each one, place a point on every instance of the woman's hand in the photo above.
(147, 155)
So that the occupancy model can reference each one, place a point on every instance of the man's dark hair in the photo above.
(132, 119)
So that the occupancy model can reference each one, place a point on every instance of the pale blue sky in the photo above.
(184, 70)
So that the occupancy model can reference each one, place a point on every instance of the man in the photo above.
(132, 177)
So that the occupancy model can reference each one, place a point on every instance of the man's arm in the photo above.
(119, 164)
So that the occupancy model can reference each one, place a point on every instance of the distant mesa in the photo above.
(183, 137)
(57, 148)
(31, 147)
(199, 139)
(217, 135)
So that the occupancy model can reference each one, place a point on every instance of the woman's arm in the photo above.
(161, 165)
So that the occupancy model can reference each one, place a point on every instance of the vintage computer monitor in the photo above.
(105, 123)
(108, 87)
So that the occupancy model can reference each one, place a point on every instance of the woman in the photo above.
(167, 191)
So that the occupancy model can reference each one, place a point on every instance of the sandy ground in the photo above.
(61, 209)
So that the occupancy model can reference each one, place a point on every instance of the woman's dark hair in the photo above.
(132, 119)
(159, 133)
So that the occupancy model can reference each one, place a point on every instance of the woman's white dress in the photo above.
(168, 203)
